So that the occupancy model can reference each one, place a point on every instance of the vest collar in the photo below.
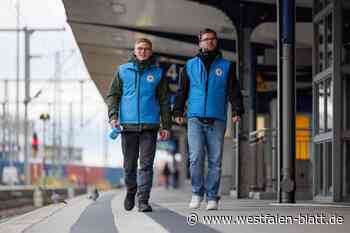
(133, 63)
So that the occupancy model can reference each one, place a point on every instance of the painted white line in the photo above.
(133, 221)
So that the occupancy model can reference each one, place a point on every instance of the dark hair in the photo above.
(204, 31)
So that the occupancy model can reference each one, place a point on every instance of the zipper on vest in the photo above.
(135, 80)
(206, 92)
(138, 98)
(206, 85)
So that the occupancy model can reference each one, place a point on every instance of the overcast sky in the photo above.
(44, 45)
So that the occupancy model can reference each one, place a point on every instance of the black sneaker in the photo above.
(144, 207)
(129, 201)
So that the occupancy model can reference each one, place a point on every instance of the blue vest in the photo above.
(139, 103)
(208, 101)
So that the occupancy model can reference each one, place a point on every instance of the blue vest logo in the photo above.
(150, 78)
(218, 72)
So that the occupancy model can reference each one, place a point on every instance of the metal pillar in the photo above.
(81, 103)
(274, 159)
(44, 117)
(17, 125)
(44, 139)
(3, 126)
(59, 103)
(7, 124)
(252, 116)
(55, 110)
(57, 132)
(337, 102)
(71, 132)
(286, 95)
(27, 34)
(244, 57)
(252, 91)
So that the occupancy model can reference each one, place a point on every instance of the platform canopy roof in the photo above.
(105, 30)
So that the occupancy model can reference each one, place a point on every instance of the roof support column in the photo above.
(286, 99)
(248, 124)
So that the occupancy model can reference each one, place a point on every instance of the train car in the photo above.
(114, 176)
(78, 175)
(94, 175)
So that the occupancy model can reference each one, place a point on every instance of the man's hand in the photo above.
(114, 123)
(164, 134)
(236, 119)
(179, 120)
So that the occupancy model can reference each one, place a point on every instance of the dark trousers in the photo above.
(139, 145)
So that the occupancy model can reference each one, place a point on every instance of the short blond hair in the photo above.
(143, 40)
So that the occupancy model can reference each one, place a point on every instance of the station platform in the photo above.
(171, 214)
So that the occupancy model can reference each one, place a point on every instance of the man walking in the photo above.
(208, 81)
(137, 99)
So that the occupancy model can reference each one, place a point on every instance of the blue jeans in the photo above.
(205, 138)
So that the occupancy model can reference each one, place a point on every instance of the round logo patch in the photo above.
(150, 78)
(218, 72)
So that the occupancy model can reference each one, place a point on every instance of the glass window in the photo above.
(329, 100)
(303, 137)
(320, 95)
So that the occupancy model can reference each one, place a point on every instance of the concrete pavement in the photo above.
(171, 214)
